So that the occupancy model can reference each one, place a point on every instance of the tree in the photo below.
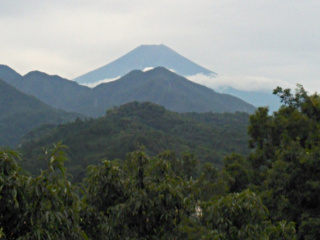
(286, 157)
(104, 188)
(239, 171)
(12, 196)
(143, 198)
(44, 207)
(236, 216)
(52, 202)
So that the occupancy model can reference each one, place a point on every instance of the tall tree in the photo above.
(286, 159)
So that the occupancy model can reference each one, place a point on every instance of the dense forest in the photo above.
(210, 136)
(271, 193)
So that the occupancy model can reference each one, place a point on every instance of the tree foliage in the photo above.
(286, 157)
(273, 193)
(43, 207)
(209, 136)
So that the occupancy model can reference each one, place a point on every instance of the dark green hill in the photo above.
(209, 135)
(19, 113)
(159, 86)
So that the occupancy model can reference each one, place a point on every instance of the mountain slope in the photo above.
(165, 88)
(55, 90)
(143, 57)
(158, 85)
(19, 113)
(10, 76)
(209, 135)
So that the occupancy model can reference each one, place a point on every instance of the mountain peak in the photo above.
(9, 72)
(42, 75)
(161, 70)
(152, 45)
(166, 88)
(145, 56)
(36, 72)
(154, 72)
(152, 49)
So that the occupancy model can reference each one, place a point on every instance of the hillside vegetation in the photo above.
(208, 135)
(21, 113)
(273, 193)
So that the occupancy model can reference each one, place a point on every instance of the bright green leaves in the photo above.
(164, 197)
(241, 216)
(56, 158)
(12, 193)
(143, 198)
(237, 216)
(44, 207)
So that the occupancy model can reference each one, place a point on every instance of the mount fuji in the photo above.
(142, 57)
(152, 56)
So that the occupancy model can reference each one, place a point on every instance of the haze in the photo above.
(250, 44)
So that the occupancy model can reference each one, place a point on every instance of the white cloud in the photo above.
(150, 68)
(147, 69)
(249, 83)
(92, 85)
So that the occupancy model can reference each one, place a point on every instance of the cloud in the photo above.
(92, 85)
(147, 69)
(278, 40)
(248, 83)
(150, 68)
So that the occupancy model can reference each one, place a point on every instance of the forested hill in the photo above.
(210, 136)
(20, 113)
(272, 193)
(159, 86)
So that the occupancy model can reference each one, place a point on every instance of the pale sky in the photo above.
(252, 43)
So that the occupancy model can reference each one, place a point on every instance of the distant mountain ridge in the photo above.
(256, 98)
(142, 57)
(9, 75)
(20, 113)
(146, 56)
(54, 90)
(158, 85)
(170, 90)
